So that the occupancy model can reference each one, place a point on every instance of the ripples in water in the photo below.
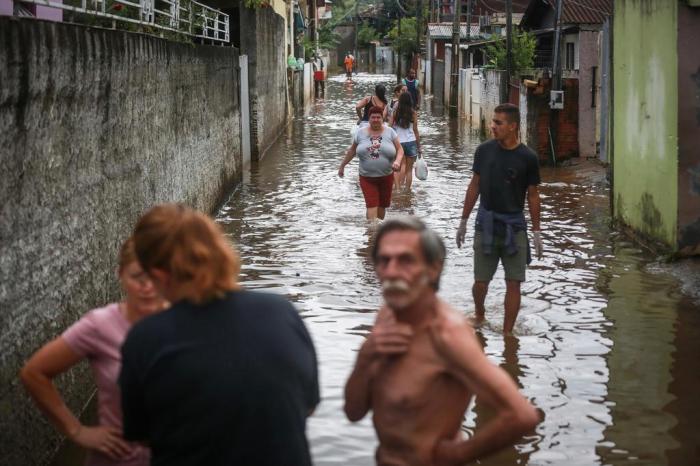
(606, 349)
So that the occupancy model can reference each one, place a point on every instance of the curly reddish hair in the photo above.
(191, 247)
(374, 110)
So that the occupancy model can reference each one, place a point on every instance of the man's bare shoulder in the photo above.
(452, 331)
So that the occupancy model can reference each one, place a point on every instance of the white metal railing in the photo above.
(181, 16)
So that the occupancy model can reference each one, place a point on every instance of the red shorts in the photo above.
(377, 190)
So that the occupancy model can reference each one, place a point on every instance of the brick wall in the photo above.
(538, 118)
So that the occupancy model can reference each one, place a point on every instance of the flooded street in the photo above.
(606, 344)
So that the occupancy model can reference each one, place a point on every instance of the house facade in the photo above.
(581, 55)
(656, 122)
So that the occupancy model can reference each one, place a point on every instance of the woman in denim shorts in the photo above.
(404, 120)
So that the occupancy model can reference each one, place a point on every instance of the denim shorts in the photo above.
(410, 149)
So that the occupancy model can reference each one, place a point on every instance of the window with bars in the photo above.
(570, 63)
(594, 86)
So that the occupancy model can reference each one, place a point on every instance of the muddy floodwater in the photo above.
(607, 345)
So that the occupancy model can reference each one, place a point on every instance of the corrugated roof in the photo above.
(444, 30)
(584, 11)
(499, 6)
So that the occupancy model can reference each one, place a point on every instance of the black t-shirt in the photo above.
(229, 383)
(504, 175)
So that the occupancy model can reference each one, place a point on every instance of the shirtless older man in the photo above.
(421, 364)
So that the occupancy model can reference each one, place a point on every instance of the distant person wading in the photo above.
(405, 123)
(412, 85)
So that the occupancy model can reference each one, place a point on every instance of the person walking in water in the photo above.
(97, 337)
(394, 101)
(225, 376)
(405, 123)
(505, 173)
(380, 154)
(412, 86)
(363, 106)
(349, 63)
(422, 364)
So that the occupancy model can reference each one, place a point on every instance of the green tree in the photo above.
(405, 44)
(366, 34)
(523, 52)
(327, 40)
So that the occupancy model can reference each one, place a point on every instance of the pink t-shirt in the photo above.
(98, 336)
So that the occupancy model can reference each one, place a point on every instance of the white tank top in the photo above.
(405, 134)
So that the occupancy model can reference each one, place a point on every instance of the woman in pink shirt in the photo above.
(97, 336)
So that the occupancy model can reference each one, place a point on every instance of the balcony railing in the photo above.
(543, 59)
(180, 16)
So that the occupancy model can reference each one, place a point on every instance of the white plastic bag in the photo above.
(420, 168)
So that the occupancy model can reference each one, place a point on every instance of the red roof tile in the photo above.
(584, 11)
(499, 6)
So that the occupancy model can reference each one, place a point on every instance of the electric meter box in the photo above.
(556, 100)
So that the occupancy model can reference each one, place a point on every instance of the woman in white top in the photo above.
(405, 122)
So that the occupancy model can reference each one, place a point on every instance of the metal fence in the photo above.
(543, 59)
(180, 16)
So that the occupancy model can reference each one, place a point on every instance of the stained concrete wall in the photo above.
(645, 70)
(492, 94)
(688, 130)
(589, 57)
(438, 81)
(262, 39)
(95, 127)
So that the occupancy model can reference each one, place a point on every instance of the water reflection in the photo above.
(605, 348)
(481, 413)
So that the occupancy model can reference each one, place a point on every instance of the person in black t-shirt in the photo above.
(505, 173)
(223, 377)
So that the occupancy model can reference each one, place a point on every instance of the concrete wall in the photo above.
(438, 83)
(492, 93)
(524, 115)
(588, 57)
(95, 127)
(7, 8)
(447, 81)
(645, 70)
(283, 10)
(308, 82)
(688, 130)
(262, 39)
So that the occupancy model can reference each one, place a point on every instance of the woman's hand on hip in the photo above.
(106, 440)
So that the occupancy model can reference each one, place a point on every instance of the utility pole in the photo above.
(469, 20)
(315, 29)
(354, 47)
(419, 31)
(509, 46)
(454, 79)
(556, 83)
(469, 29)
(398, 53)
(556, 58)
